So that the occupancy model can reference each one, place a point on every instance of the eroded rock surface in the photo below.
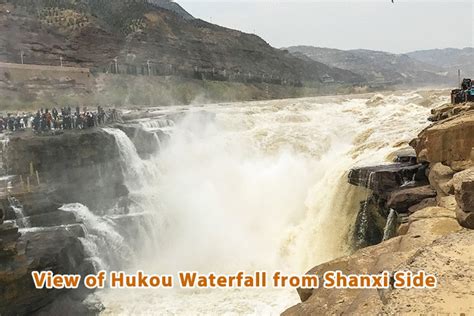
(401, 200)
(77, 166)
(430, 233)
(450, 142)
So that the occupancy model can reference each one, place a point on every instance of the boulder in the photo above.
(8, 240)
(404, 155)
(449, 141)
(423, 204)
(385, 178)
(465, 219)
(77, 166)
(56, 249)
(401, 200)
(56, 218)
(146, 143)
(464, 189)
(440, 177)
(369, 224)
(8, 229)
(39, 202)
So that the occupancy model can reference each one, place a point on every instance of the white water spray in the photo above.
(263, 186)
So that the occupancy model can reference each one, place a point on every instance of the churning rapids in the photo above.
(260, 186)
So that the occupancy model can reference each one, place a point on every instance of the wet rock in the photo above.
(145, 142)
(464, 189)
(405, 155)
(385, 178)
(56, 249)
(2, 216)
(423, 204)
(440, 177)
(35, 203)
(8, 239)
(67, 305)
(401, 200)
(51, 219)
(449, 110)
(449, 141)
(77, 166)
(370, 223)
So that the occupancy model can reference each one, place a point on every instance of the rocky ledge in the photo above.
(36, 234)
(432, 197)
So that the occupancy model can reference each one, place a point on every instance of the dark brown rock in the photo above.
(385, 178)
(77, 166)
(56, 218)
(465, 219)
(145, 142)
(423, 204)
(56, 249)
(403, 199)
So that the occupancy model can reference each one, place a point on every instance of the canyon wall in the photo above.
(39, 233)
(432, 194)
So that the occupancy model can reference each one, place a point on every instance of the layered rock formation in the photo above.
(37, 234)
(76, 166)
(435, 232)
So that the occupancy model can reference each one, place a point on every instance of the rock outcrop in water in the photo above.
(56, 249)
(76, 166)
(436, 234)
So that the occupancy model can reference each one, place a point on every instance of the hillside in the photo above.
(375, 66)
(91, 33)
(450, 59)
(172, 6)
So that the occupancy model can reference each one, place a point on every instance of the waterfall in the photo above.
(17, 208)
(391, 225)
(261, 185)
(138, 172)
(102, 242)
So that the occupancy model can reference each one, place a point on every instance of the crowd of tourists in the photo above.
(63, 119)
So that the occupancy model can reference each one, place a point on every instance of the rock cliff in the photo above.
(435, 230)
(38, 234)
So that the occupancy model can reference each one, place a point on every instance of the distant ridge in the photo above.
(450, 59)
(377, 66)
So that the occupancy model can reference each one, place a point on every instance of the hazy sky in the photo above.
(404, 26)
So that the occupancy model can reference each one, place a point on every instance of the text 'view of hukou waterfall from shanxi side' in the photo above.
(236, 158)
(244, 186)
